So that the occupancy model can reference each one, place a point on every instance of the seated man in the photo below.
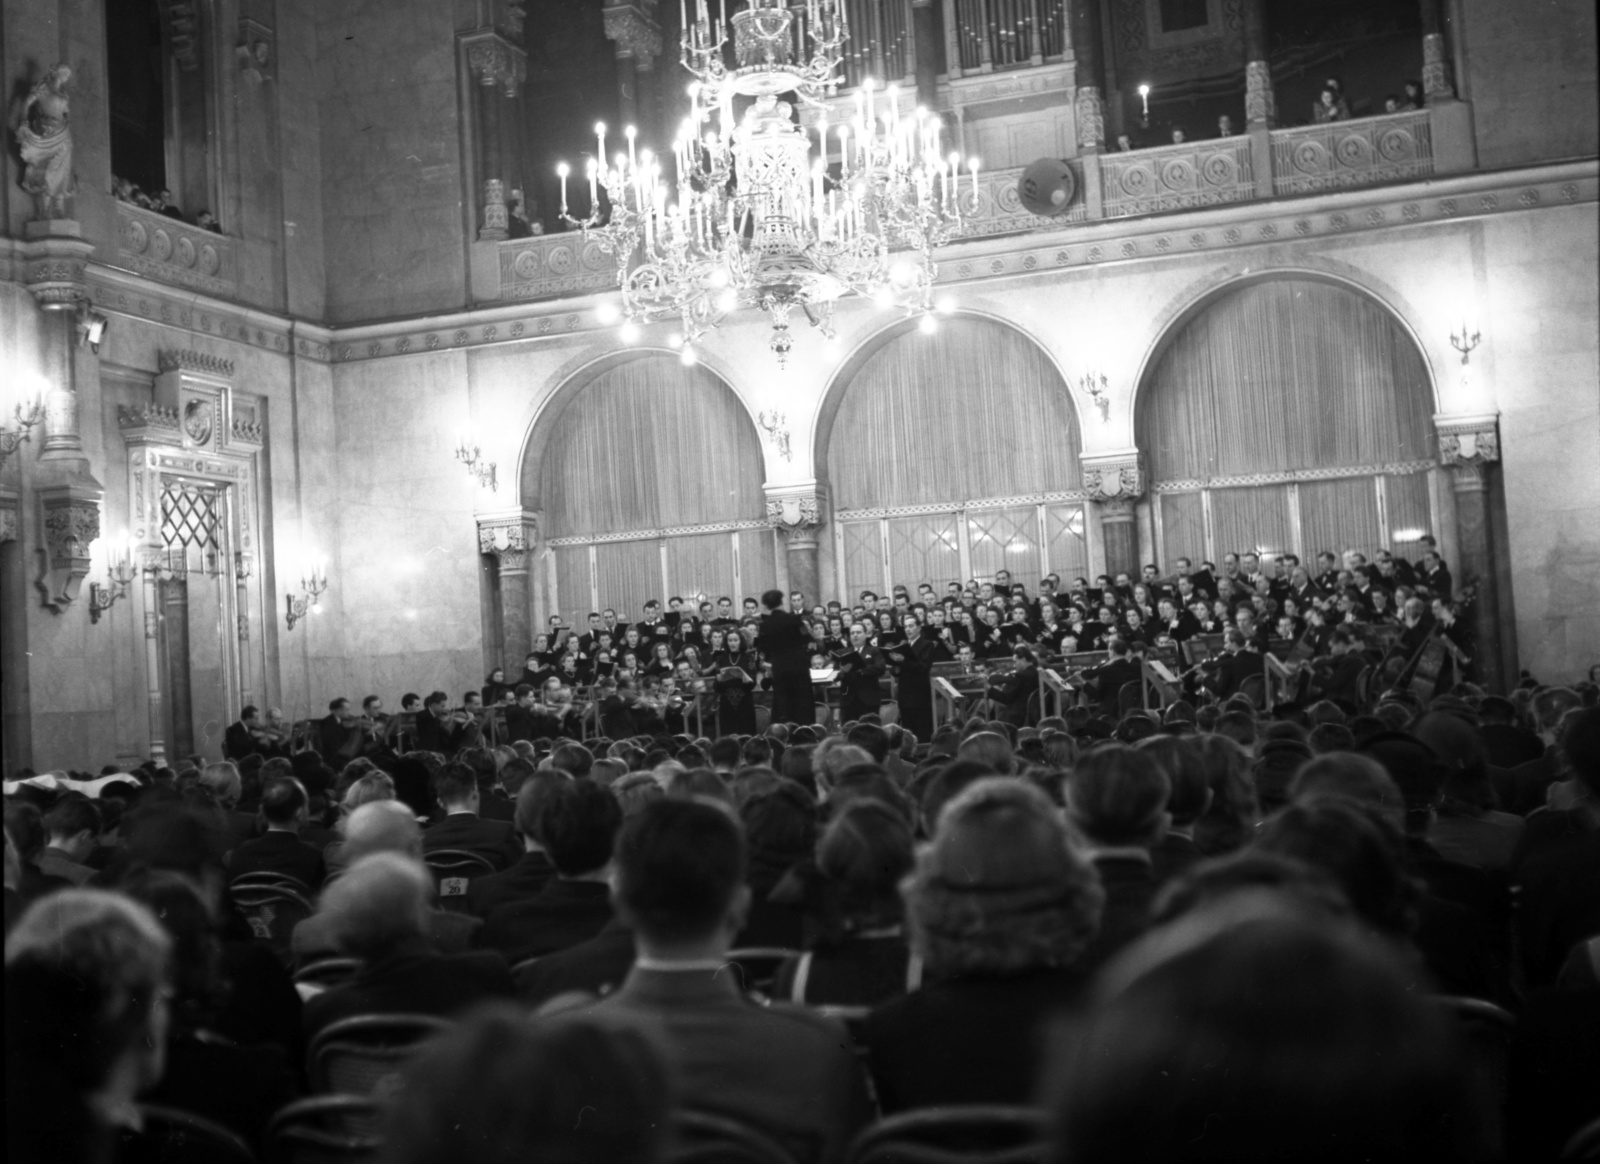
(1107, 679)
(382, 826)
(72, 827)
(785, 1070)
(577, 823)
(523, 880)
(443, 731)
(378, 912)
(462, 829)
(285, 807)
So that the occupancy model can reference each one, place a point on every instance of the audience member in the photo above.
(285, 808)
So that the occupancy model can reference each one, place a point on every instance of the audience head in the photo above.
(1001, 889)
(284, 803)
(381, 826)
(780, 828)
(577, 824)
(223, 782)
(1190, 794)
(499, 1089)
(379, 907)
(1117, 795)
(680, 871)
(1247, 1030)
(864, 852)
(573, 759)
(991, 749)
(1345, 774)
(1356, 846)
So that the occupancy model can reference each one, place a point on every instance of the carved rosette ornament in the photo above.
(1260, 103)
(69, 518)
(1091, 118)
(637, 35)
(1436, 79)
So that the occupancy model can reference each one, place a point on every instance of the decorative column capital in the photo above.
(69, 521)
(1468, 440)
(1436, 79)
(496, 62)
(1115, 477)
(797, 511)
(633, 27)
(510, 535)
(10, 526)
(54, 263)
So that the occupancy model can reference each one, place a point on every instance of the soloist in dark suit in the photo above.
(913, 664)
(413, 980)
(859, 672)
(783, 642)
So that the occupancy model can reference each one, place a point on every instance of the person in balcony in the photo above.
(1413, 99)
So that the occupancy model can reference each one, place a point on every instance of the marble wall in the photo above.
(1530, 75)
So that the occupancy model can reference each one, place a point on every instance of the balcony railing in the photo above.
(172, 251)
(1371, 151)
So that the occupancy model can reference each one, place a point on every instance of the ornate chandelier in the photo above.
(750, 210)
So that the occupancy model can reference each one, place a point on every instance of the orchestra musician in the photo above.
(1104, 682)
(442, 730)
(1010, 694)
(1228, 671)
(249, 735)
(342, 735)
(1336, 676)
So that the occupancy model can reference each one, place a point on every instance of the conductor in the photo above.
(785, 643)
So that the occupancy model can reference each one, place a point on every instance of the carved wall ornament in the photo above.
(1260, 103)
(255, 50)
(184, 360)
(69, 516)
(44, 141)
(497, 63)
(508, 534)
(1436, 80)
(1091, 117)
(1113, 480)
(1472, 441)
(796, 511)
(199, 420)
(637, 35)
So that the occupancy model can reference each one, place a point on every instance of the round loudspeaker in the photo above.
(1047, 187)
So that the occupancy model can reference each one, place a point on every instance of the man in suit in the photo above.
(786, 644)
(577, 824)
(1106, 680)
(589, 641)
(239, 741)
(338, 739)
(439, 730)
(1237, 663)
(653, 628)
(462, 829)
(1013, 692)
(860, 669)
(913, 662)
(1435, 574)
(378, 912)
(533, 871)
(1334, 676)
(284, 806)
(784, 1070)
(1116, 800)
(597, 966)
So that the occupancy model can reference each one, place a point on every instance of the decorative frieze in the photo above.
(1177, 177)
(1119, 477)
(171, 251)
(1364, 152)
(201, 363)
(1468, 441)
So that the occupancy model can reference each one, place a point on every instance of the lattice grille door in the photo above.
(863, 559)
(1069, 547)
(1005, 539)
(190, 517)
(924, 548)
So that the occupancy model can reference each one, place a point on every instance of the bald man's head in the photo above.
(381, 826)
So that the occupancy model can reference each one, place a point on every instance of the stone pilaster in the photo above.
(1114, 483)
(1470, 447)
(512, 537)
(69, 522)
(1437, 83)
(798, 512)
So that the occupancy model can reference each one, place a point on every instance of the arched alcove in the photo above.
(1288, 414)
(952, 456)
(649, 476)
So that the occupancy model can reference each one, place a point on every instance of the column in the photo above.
(512, 537)
(150, 563)
(633, 27)
(1437, 83)
(1260, 104)
(925, 46)
(1086, 50)
(796, 512)
(1114, 482)
(498, 67)
(1469, 447)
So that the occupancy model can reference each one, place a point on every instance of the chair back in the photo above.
(1130, 697)
(1485, 1030)
(758, 965)
(1254, 688)
(1584, 1144)
(325, 1129)
(271, 911)
(453, 871)
(174, 1136)
(701, 1137)
(325, 973)
(250, 882)
(363, 1055)
(979, 1134)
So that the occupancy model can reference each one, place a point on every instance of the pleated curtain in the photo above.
(975, 410)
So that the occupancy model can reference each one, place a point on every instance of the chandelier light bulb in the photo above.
(728, 300)
(563, 170)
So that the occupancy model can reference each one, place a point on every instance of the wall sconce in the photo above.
(472, 457)
(89, 325)
(1095, 388)
(1466, 340)
(775, 425)
(119, 574)
(28, 411)
(297, 606)
(1144, 99)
